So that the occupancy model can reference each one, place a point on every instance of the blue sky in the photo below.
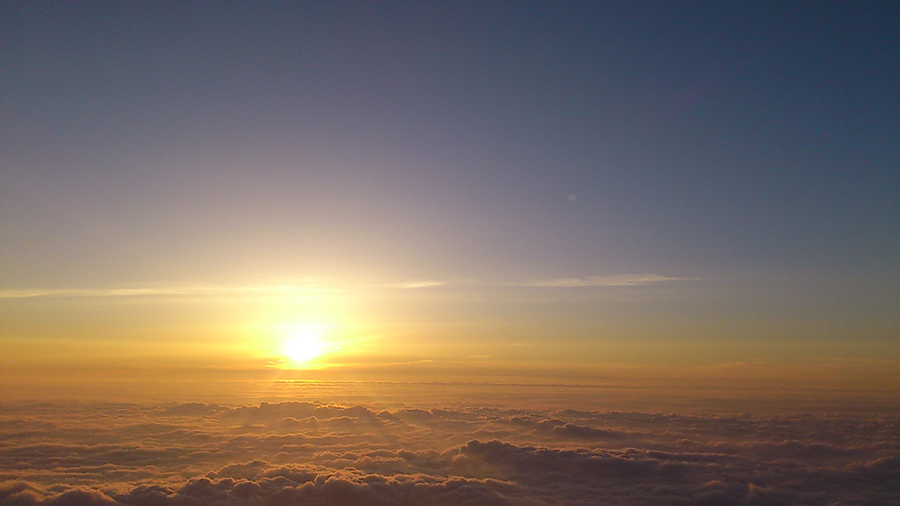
(738, 162)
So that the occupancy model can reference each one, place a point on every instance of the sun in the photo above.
(304, 344)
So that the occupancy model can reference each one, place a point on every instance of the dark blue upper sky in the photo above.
(212, 141)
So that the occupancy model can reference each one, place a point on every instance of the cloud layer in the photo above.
(322, 454)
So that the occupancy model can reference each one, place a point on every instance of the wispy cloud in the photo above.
(612, 280)
(179, 290)
(599, 281)
(208, 290)
(421, 284)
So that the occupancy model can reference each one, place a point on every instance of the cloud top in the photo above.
(314, 453)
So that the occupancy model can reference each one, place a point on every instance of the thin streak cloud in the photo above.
(601, 281)
(422, 284)
(287, 289)
(205, 290)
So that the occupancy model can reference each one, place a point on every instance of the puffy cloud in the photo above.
(25, 494)
(323, 454)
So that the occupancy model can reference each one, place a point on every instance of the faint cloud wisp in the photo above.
(603, 281)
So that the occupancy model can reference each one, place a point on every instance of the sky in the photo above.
(576, 192)
(429, 253)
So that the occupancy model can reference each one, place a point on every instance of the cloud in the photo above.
(422, 284)
(604, 281)
(184, 290)
(317, 453)
(175, 290)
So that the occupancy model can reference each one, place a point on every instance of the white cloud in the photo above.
(600, 281)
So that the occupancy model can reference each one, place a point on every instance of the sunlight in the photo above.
(304, 343)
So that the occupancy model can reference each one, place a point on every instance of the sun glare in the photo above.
(304, 344)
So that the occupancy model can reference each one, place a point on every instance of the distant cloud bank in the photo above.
(322, 454)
